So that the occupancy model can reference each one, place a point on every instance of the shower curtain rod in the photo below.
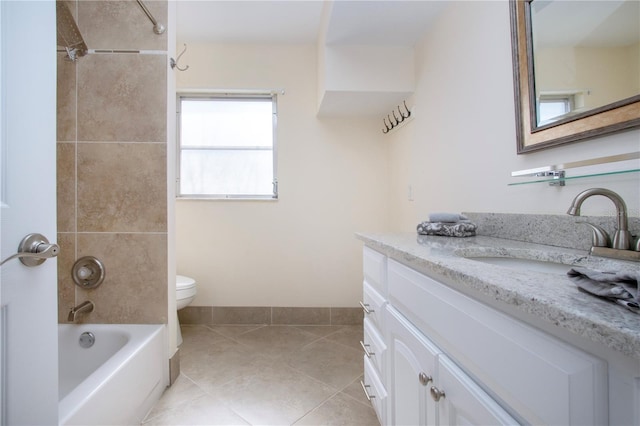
(157, 27)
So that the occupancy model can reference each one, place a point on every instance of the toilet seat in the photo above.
(183, 282)
(185, 291)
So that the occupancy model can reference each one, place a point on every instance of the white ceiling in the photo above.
(390, 22)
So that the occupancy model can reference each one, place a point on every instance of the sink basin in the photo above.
(524, 264)
(551, 262)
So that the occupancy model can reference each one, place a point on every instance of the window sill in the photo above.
(235, 198)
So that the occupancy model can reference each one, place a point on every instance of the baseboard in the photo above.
(242, 315)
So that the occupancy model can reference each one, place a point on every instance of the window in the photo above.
(554, 107)
(226, 146)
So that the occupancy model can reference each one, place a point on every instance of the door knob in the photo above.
(33, 250)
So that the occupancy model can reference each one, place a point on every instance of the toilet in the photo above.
(185, 293)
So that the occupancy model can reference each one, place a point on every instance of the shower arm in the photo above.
(157, 27)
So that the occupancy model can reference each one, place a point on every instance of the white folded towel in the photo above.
(447, 217)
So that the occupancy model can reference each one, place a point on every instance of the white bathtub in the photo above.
(117, 380)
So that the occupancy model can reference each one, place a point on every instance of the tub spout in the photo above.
(83, 307)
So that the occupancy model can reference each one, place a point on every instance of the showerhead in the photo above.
(69, 36)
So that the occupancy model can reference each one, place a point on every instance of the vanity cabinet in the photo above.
(451, 359)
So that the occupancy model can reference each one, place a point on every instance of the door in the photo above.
(28, 295)
(413, 367)
(462, 401)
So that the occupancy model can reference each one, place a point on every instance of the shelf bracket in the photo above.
(556, 175)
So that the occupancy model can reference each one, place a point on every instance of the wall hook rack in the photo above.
(174, 62)
(395, 120)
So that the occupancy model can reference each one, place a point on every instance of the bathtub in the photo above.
(114, 382)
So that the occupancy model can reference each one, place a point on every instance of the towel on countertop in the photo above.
(464, 228)
(447, 217)
(619, 287)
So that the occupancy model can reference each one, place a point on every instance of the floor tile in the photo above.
(183, 391)
(320, 330)
(330, 362)
(341, 410)
(267, 375)
(354, 390)
(349, 335)
(221, 364)
(276, 341)
(277, 395)
(197, 337)
(200, 411)
(232, 331)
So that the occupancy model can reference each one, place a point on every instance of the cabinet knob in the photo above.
(436, 393)
(424, 379)
(365, 308)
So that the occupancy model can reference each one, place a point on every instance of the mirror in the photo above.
(576, 70)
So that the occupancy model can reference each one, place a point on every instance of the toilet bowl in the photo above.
(185, 293)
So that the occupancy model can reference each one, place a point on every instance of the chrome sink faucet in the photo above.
(83, 307)
(621, 243)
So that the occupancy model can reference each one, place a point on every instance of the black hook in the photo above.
(385, 131)
(398, 121)
(405, 107)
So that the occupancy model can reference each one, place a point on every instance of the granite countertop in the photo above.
(550, 297)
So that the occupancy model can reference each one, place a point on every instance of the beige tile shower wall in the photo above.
(112, 159)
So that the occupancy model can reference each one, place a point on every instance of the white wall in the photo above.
(341, 176)
(460, 150)
(301, 249)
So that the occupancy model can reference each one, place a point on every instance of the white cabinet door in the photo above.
(412, 365)
(462, 402)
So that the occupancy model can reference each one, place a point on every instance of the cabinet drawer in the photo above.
(373, 305)
(374, 268)
(543, 379)
(375, 347)
(375, 391)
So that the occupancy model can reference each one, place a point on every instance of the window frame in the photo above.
(207, 95)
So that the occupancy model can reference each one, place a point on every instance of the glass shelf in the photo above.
(555, 175)
(559, 180)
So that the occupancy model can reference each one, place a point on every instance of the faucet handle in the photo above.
(599, 237)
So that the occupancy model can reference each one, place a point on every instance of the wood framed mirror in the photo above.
(582, 118)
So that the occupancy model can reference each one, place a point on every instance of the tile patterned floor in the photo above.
(267, 375)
